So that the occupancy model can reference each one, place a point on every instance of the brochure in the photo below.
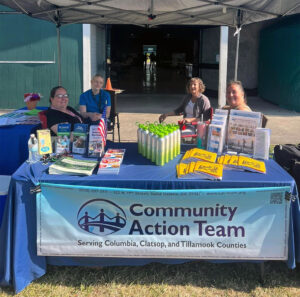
(197, 154)
(207, 170)
(241, 130)
(62, 141)
(251, 164)
(219, 111)
(262, 143)
(44, 140)
(111, 162)
(200, 169)
(79, 139)
(216, 138)
(71, 166)
(95, 146)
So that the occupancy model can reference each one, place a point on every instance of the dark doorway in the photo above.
(171, 48)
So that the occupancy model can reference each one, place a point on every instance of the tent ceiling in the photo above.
(155, 12)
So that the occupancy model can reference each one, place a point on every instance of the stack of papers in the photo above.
(71, 166)
(197, 154)
(111, 162)
(242, 163)
(229, 161)
(201, 170)
(19, 117)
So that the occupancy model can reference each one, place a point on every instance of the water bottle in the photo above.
(178, 140)
(168, 142)
(172, 141)
(139, 138)
(201, 134)
(160, 150)
(149, 144)
(144, 141)
(153, 146)
(33, 148)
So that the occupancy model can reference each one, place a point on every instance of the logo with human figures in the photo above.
(101, 217)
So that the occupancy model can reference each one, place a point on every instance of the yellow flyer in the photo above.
(191, 168)
(220, 160)
(252, 164)
(181, 169)
(44, 139)
(203, 155)
(233, 161)
(210, 170)
(226, 159)
(186, 155)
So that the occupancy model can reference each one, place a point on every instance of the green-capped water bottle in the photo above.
(160, 150)
(149, 144)
(139, 138)
(153, 146)
(144, 140)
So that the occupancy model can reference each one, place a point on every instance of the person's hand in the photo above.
(95, 116)
(162, 117)
(186, 121)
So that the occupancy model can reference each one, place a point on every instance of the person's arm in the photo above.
(163, 116)
(94, 116)
(54, 128)
(108, 109)
(178, 111)
(206, 108)
(190, 120)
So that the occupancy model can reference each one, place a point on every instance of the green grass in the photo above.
(189, 279)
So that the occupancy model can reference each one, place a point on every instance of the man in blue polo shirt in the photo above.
(93, 101)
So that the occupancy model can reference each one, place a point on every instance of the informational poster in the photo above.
(241, 130)
(197, 224)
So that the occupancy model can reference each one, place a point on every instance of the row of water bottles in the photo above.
(159, 143)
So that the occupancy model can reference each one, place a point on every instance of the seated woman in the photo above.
(59, 111)
(194, 104)
(235, 96)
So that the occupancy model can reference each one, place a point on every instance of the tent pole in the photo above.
(223, 66)
(239, 18)
(58, 54)
(237, 55)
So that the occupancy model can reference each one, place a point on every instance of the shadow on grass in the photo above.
(237, 276)
(243, 277)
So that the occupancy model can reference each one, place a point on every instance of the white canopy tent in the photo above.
(155, 12)
(150, 13)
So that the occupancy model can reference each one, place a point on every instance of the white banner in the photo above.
(197, 224)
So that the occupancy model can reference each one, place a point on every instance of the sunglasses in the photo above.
(60, 96)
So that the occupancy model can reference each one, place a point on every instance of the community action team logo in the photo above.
(101, 217)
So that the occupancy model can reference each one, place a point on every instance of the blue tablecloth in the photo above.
(19, 263)
(14, 147)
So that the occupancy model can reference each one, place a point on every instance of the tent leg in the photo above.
(58, 54)
(237, 55)
(223, 66)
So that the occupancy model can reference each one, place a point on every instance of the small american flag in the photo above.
(102, 126)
